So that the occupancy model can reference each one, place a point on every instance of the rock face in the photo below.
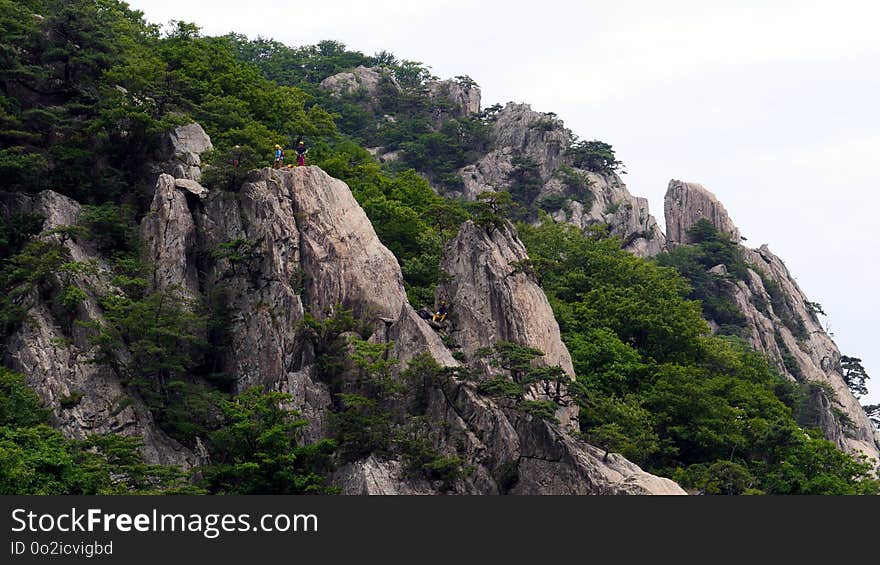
(295, 242)
(304, 245)
(518, 133)
(494, 299)
(685, 203)
(509, 453)
(368, 79)
(342, 260)
(780, 322)
(54, 353)
(798, 334)
(519, 137)
(610, 203)
(513, 453)
(523, 142)
(169, 235)
(377, 477)
(308, 247)
(464, 97)
(181, 149)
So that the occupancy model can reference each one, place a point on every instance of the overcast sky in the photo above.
(772, 105)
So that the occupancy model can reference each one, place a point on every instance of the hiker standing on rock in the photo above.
(279, 156)
(301, 151)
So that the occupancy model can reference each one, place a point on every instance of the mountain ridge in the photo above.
(173, 289)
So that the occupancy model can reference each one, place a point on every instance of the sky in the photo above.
(772, 105)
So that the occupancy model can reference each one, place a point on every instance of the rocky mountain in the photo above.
(520, 138)
(269, 330)
(781, 322)
(582, 197)
(311, 249)
(308, 248)
(523, 145)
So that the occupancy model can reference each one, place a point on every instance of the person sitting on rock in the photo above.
(279, 156)
(442, 311)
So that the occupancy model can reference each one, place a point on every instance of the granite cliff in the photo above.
(312, 250)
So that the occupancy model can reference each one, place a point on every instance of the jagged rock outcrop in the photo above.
(518, 133)
(508, 453)
(520, 137)
(495, 298)
(368, 79)
(610, 203)
(465, 97)
(169, 235)
(798, 334)
(254, 274)
(687, 202)
(779, 321)
(291, 242)
(180, 151)
(55, 355)
(304, 245)
(524, 142)
(514, 453)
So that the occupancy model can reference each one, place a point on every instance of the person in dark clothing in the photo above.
(301, 151)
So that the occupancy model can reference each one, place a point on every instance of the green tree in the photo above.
(873, 413)
(709, 249)
(596, 156)
(854, 375)
(619, 425)
(258, 451)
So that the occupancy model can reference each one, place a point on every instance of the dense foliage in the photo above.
(655, 386)
(37, 459)
(709, 249)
